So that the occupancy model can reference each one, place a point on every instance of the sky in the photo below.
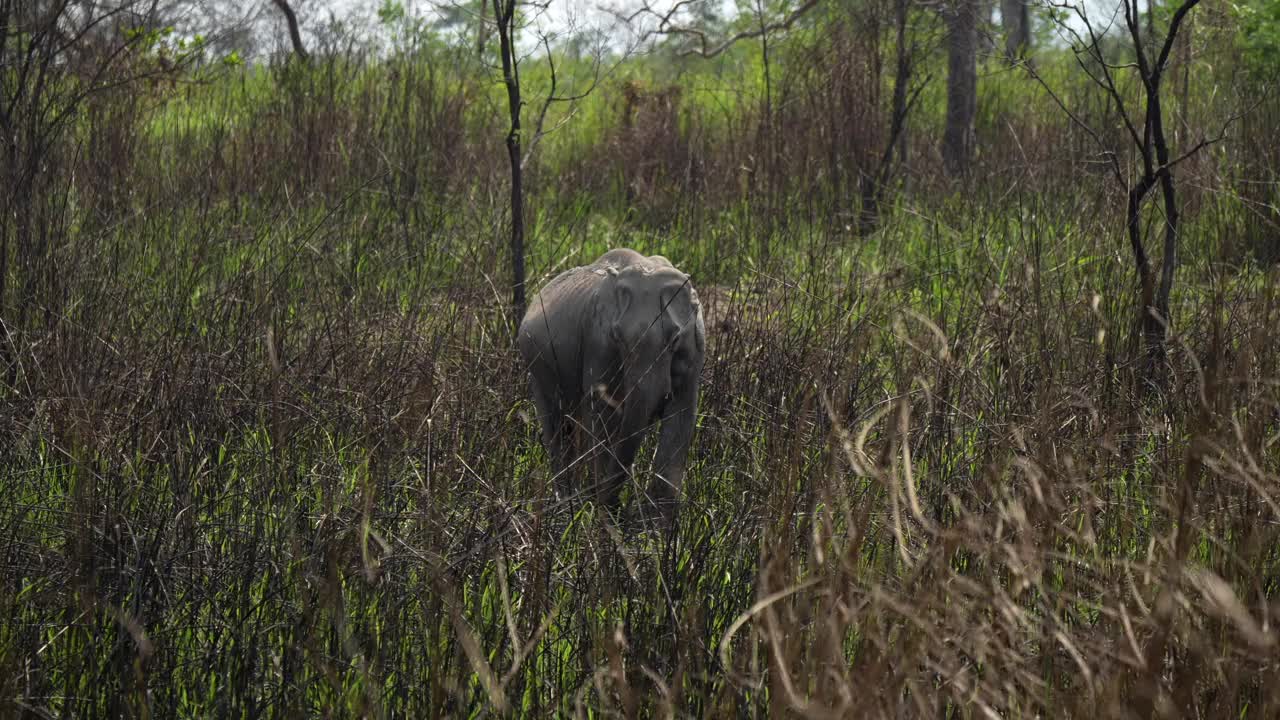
(560, 17)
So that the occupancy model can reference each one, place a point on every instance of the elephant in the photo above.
(611, 349)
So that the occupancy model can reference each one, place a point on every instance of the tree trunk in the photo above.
(295, 37)
(1017, 27)
(504, 13)
(7, 351)
(962, 86)
(1170, 262)
(1152, 331)
(1165, 176)
(482, 30)
(1159, 169)
(873, 185)
(983, 11)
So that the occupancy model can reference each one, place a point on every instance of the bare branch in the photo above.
(598, 73)
(1207, 141)
(1178, 16)
(897, 125)
(1097, 139)
(546, 104)
(1131, 21)
(1108, 81)
(705, 48)
(646, 9)
(295, 37)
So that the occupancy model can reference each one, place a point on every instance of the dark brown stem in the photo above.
(904, 98)
(705, 48)
(962, 87)
(504, 12)
(295, 37)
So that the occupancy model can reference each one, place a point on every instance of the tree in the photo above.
(1017, 27)
(506, 20)
(1148, 141)
(905, 93)
(504, 13)
(962, 86)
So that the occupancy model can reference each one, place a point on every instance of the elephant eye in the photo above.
(679, 366)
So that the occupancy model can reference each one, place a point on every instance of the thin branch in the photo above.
(1178, 16)
(646, 9)
(1149, 81)
(1207, 141)
(295, 37)
(546, 104)
(552, 98)
(1097, 139)
(898, 124)
(1131, 21)
(763, 29)
(1094, 48)
(705, 48)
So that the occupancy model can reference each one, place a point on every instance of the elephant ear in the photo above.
(690, 324)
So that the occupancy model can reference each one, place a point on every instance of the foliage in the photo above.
(1259, 23)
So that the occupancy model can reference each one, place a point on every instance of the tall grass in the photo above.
(271, 454)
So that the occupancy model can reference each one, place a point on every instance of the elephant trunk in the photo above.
(673, 448)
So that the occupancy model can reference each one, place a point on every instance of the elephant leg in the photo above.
(678, 420)
(615, 445)
(557, 432)
(570, 464)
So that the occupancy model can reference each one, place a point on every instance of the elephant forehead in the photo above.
(655, 276)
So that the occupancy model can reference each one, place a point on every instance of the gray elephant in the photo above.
(613, 348)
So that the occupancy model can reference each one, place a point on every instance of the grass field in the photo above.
(266, 448)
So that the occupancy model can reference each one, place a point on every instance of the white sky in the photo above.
(561, 16)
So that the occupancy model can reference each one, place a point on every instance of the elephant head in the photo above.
(653, 336)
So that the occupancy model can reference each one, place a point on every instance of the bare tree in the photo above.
(504, 13)
(962, 85)
(906, 91)
(506, 20)
(1148, 140)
